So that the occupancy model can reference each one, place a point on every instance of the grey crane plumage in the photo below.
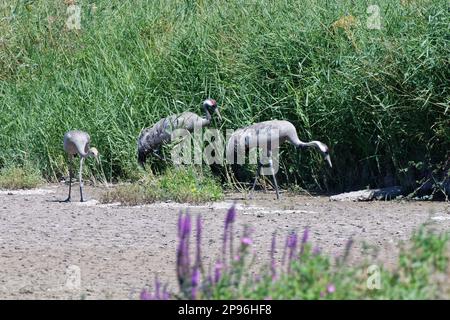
(264, 133)
(151, 139)
(77, 143)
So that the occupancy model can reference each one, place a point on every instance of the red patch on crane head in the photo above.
(211, 102)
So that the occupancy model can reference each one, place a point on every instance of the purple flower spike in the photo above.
(292, 242)
(199, 241)
(231, 215)
(305, 235)
(285, 250)
(209, 279)
(331, 288)
(194, 293)
(246, 241)
(272, 257)
(183, 264)
(225, 240)
(180, 261)
(292, 245)
(195, 282)
(348, 246)
(304, 240)
(316, 251)
(195, 277)
(165, 293)
(145, 295)
(217, 272)
(186, 233)
(187, 225)
(157, 289)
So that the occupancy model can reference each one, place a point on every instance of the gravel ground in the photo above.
(117, 250)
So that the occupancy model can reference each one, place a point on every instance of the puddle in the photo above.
(223, 205)
(441, 218)
(88, 203)
(26, 192)
(257, 211)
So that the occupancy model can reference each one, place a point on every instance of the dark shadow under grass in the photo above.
(176, 184)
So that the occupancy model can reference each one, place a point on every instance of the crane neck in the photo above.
(84, 154)
(207, 114)
(303, 145)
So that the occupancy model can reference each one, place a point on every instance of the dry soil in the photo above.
(117, 250)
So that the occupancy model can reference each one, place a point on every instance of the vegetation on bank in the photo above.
(19, 178)
(304, 272)
(378, 97)
(175, 184)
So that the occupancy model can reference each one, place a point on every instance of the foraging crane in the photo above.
(265, 133)
(77, 142)
(151, 139)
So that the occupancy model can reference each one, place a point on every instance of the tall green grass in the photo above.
(378, 98)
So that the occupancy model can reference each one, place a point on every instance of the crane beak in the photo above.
(218, 113)
(328, 159)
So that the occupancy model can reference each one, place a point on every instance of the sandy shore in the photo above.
(117, 250)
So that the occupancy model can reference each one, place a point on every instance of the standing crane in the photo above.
(264, 133)
(77, 142)
(151, 139)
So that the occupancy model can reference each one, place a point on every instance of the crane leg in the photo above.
(274, 177)
(81, 179)
(70, 181)
(256, 179)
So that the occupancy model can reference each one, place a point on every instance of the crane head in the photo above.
(211, 105)
(94, 153)
(325, 151)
